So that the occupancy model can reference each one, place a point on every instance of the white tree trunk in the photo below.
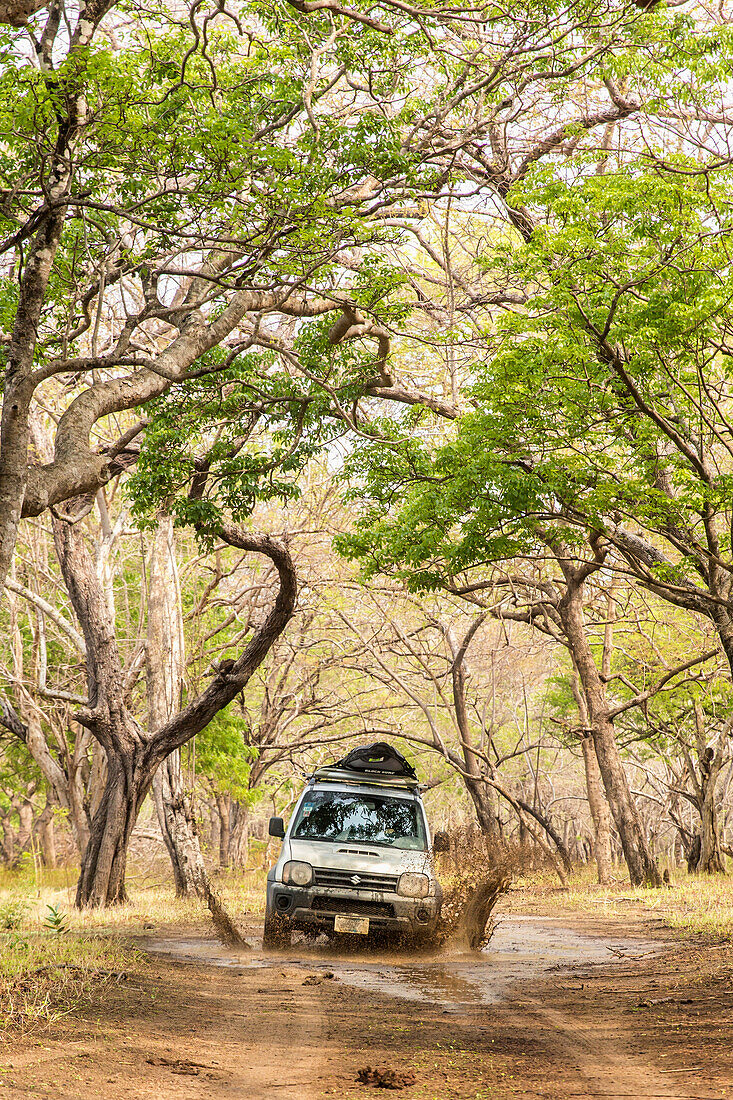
(165, 667)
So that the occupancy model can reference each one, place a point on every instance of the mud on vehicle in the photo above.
(356, 857)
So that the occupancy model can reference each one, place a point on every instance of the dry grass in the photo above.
(693, 904)
(150, 902)
(45, 976)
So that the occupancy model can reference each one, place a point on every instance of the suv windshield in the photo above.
(338, 815)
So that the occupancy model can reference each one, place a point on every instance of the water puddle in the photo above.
(522, 949)
(201, 950)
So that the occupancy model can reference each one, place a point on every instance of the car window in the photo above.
(340, 816)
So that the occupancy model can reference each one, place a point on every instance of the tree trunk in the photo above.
(709, 859)
(594, 787)
(239, 836)
(7, 844)
(544, 821)
(703, 850)
(165, 657)
(128, 768)
(19, 383)
(599, 812)
(80, 804)
(179, 828)
(98, 777)
(25, 826)
(102, 878)
(62, 778)
(482, 796)
(223, 804)
(47, 836)
(639, 860)
(484, 803)
(214, 825)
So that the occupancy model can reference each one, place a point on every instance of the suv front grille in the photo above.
(344, 880)
(355, 906)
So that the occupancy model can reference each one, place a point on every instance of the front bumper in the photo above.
(313, 908)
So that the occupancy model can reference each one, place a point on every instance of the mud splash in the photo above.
(465, 920)
(475, 872)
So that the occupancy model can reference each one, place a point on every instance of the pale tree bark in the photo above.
(639, 859)
(711, 761)
(134, 755)
(47, 836)
(599, 812)
(597, 802)
(165, 661)
(239, 835)
(223, 804)
(64, 776)
(214, 824)
(177, 824)
(482, 795)
(16, 13)
(21, 379)
(19, 386)
(7, 840)
(16, 841)
(25, 822)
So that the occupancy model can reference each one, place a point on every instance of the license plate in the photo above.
(360, 925)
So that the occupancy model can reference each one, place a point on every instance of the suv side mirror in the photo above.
(276, 827)
(441, 842)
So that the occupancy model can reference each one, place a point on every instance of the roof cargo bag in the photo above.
(377, 759)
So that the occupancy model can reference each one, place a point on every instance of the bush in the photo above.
(12, 914)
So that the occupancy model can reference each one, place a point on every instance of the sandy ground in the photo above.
(555, 1008)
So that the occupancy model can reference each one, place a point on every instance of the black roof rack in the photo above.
(360, 779)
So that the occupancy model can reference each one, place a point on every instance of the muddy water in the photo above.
(522, 950)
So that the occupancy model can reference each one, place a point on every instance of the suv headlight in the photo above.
(296, 873)
(413, 885)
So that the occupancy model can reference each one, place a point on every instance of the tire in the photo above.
(276, 935)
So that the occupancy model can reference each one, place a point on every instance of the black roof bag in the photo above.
(377, 759)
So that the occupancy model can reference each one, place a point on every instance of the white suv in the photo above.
(356, 857)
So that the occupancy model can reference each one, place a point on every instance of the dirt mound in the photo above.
(385, 1078)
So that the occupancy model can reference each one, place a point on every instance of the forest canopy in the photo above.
(366, 368)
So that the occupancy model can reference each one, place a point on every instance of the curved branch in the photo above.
(53, 614)
(229, 683)
(308, 6)
(77, 469)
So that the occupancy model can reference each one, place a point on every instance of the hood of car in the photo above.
(349, 856)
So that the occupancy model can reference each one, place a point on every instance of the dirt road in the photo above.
(553, 1009)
